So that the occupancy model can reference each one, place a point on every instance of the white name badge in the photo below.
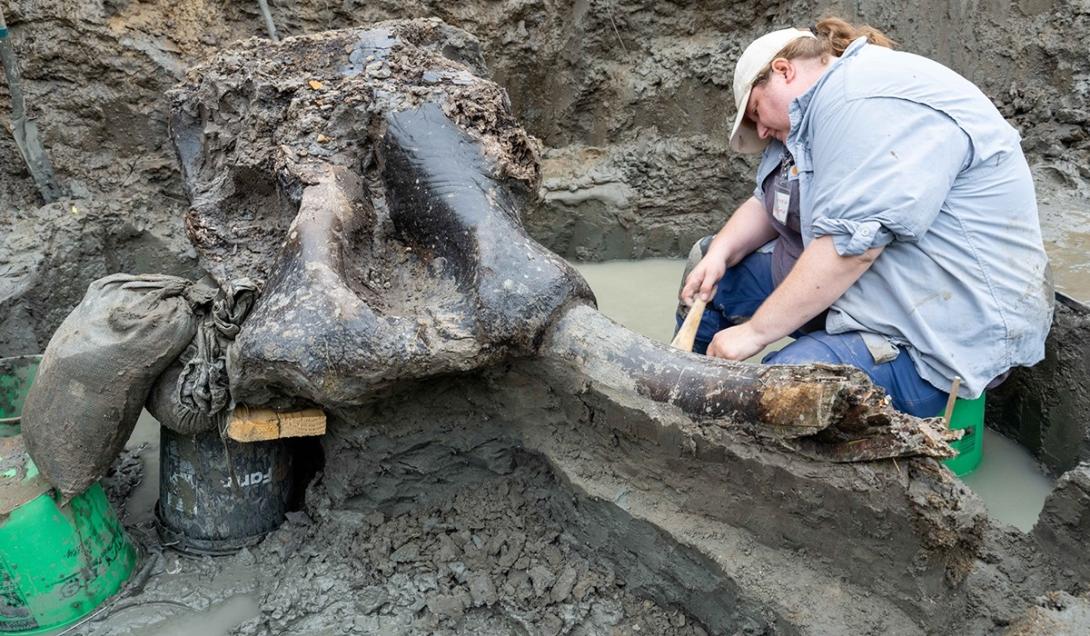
(780, 204)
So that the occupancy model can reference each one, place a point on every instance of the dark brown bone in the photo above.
(406, 258)
(376, 183)
(828, 412)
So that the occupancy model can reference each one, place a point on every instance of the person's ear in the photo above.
(783, 66)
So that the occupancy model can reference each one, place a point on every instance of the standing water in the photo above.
(178, 602)
(642, 295)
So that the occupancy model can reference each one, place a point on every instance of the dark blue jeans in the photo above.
(746, 285)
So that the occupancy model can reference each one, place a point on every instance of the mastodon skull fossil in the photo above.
(375, 182)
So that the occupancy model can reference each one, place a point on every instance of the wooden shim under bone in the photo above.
(248, 424)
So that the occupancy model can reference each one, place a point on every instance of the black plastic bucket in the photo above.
(218, 496)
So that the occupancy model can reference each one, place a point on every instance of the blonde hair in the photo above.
(833, 35)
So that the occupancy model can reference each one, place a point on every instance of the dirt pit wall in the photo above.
(731, 530)
(503, 497)
(1045, 407)
(631, 99)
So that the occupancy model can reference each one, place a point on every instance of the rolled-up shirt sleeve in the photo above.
(882, 169)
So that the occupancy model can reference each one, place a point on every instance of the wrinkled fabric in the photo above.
(896, 150)
(97, 371)
(746, 286)
(895, 373)
(193, 394)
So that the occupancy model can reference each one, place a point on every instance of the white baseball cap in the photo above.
(758, 55)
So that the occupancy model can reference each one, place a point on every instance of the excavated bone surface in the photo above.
(374, 181)
(260, 121)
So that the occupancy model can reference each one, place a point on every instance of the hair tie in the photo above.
(813, 29)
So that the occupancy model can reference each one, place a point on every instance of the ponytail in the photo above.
(836, 34)
(832, 37)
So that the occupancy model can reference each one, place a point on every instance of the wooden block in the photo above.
(248, 424)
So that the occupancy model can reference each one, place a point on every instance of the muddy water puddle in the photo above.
(1009, 481)
(353, 581)
(642, 295)
(183, 595)
(1065, 227)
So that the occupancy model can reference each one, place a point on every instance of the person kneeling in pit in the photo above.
(904, 224)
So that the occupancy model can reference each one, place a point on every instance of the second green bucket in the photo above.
(968, 415)
(58, 562)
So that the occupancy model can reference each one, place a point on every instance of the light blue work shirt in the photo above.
(896, 150)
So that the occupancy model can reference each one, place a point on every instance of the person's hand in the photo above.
(739, 342)
(703, 278)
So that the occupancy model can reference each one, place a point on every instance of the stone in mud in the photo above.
(371, 599)
(542, 579)
(482, 590)
(1063, 528)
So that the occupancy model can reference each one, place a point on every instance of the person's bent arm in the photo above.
(817, 280)
(745, 231)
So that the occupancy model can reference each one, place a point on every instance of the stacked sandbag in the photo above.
(98, 369)
(193, 394)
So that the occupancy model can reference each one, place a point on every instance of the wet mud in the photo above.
(491, 554)
(503, 503)
(1045, 407)
(515, 500)
(631, 102)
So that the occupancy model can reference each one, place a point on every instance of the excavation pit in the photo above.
(672, 522)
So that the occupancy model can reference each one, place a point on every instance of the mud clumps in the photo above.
(1044, 407)
(49, 255)
(488, 560)
(258, 123)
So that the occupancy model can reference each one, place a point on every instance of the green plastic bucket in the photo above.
(58, 562)
(969, 415)
(16, 376)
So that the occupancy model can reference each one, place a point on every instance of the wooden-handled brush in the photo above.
(686, 336)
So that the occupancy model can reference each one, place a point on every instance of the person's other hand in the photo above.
(738, 343)
(703, 278)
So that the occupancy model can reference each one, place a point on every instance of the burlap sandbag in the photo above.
(97, 371)
(193, 394)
